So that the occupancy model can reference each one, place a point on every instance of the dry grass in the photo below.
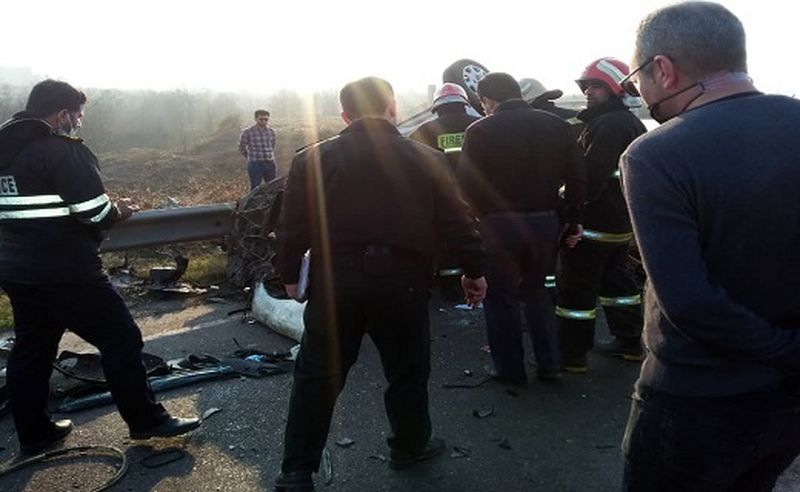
(6, 317)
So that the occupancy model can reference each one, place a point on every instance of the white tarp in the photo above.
(284, 316)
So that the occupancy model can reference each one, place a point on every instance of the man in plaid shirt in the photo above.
(257, 145)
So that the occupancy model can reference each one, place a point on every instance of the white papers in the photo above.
(302, 281)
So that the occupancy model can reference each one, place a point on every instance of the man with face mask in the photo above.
(598, 269)
(713, 196)
(53, 209)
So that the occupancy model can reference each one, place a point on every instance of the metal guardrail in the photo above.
(172, 225)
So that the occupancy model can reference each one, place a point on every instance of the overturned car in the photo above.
(251, 243)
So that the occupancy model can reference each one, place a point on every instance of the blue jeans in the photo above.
(739, 443)
(260, 171)
(520, 249)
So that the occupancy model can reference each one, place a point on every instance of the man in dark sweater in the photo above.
(713, 196)
(512, 165)
(371, 205)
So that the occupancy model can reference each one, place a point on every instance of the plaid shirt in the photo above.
(258, 144)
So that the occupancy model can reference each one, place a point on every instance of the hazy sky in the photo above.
(294, 44)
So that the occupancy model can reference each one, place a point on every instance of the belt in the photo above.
(519, 213)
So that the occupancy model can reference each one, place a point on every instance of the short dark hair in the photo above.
(51, 96)
(701, 37)
(369, 96)
(499, 86)
(260, 112)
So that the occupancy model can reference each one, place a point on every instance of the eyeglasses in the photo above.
(263, 119)
(627, 83)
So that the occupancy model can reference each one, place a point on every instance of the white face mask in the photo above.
(71, 129)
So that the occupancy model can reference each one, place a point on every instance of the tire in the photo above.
(467, 73)
(250, 246)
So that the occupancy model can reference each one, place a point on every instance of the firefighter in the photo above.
(53, 208)
(598, 269)
(446, 133)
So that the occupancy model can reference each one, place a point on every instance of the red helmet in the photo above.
(449, 93)
(608, 70)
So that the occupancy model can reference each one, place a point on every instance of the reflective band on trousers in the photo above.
(621, 301)
(39, 213)
(607, 237)
(550, 281)
(575, 313)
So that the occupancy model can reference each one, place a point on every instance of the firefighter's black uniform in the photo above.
(576, 126)
(53, 208)
(446, 133)
(598, 269)
(371, 205)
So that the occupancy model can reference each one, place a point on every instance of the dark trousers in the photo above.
(732, 444)
(95, 312)
(260, 172)
(393, 310)
(520, 250)
(590, 270)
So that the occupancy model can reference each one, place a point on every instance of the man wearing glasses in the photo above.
(257, 145)
(713, 196)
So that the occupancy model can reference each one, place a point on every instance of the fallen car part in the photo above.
(345, 442)
(169, 275)
(162, 458)
(466, 385)
(157, 384)
(460, 452)
(327, 467)
(87, 367)
(211, 411)
(81, 451)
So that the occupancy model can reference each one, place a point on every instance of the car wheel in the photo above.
(467, 73)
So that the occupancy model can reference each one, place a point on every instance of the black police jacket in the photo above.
(52, 206)
(610, 128)
(517, 159)
(371, 186)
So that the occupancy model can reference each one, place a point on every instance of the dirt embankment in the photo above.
(212, 171)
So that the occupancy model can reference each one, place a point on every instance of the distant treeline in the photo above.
(179, 119)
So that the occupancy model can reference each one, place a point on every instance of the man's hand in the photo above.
(571, 234)
(474, 290)
(291, 291)
(126, 208)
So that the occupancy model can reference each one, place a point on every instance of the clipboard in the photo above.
(302, 281)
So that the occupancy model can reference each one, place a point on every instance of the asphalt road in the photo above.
(561, 436)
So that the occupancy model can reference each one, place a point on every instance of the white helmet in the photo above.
(449, 93)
